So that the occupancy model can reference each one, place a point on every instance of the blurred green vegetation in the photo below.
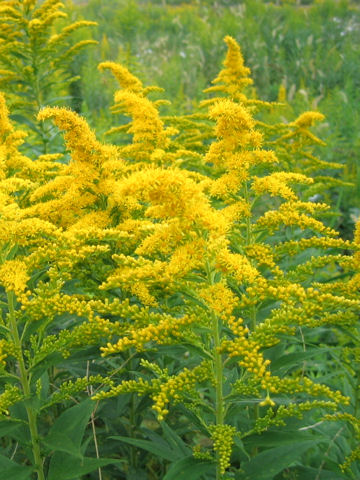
(311, 48)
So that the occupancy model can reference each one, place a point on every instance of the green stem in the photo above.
(25, 383)
(218, 370)
(218, 374)
(357, 394)
(249, 235)
(132, 418)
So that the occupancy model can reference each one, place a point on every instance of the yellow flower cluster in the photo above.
(296, 214)
(234, 77)
(276, 184)
(220, 299)
(236, 265)
(223, 438)
(9, 397)
(175, 387)
(164, 332)
(14, 276)
(277, 418)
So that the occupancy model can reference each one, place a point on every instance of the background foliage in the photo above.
(311, 48)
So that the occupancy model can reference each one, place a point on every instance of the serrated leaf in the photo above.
(24, 120)
(8, 427)
(272, 439)
(295, 359)
(189, 468)
(304, 473)
(68, 430)
(13, 471)
(68, 467)
(271, 462)
(149, 446)
(174, 440)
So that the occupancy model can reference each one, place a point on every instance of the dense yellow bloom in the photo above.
(5, 125)
(234, 122)
(14, 276)
(219, 298)
(147, 128)
(236, 265)
(296, 213)
(276, 184)
(80, 140)
(307, 119)
(235, 76)
(167, 241)
(223, 438)
(175, 387)
(126, 79)
(162, 333)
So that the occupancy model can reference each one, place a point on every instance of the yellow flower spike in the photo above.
(126, 79)
(147, 128)
(223, 440)
(234, 77)
(9, 397)
(282, 94)
(80, 139)
(236, 265)
(5, 125)
(276, 184)
(66, 31)
(219, 298)
(232, 120)
(73, 50)
(308, 119)
(47, 6)
(296, 213)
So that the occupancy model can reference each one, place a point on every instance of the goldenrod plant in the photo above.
(214, 246)
(194, 280)
(36, 59)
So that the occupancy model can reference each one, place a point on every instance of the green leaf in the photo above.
(7, 427)
(277, 438)
(13, 471)
(68, 467)
(24, 120)
(189, 468)
(270, 462)
(174, 440)
(68, 430)
(304, 473)
(149, 446)
(287, 361)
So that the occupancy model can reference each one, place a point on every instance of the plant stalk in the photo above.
(25, 384)
(218, 370)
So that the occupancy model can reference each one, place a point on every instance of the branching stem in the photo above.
(24, 378)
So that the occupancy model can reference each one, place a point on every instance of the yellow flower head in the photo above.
(80, 139)
(126, 79)
(14, 276)
(308, 119)
(232, 119)
(5, 125)
(235, 76)
(219, 298)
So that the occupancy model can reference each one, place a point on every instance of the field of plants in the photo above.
(179, 240)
